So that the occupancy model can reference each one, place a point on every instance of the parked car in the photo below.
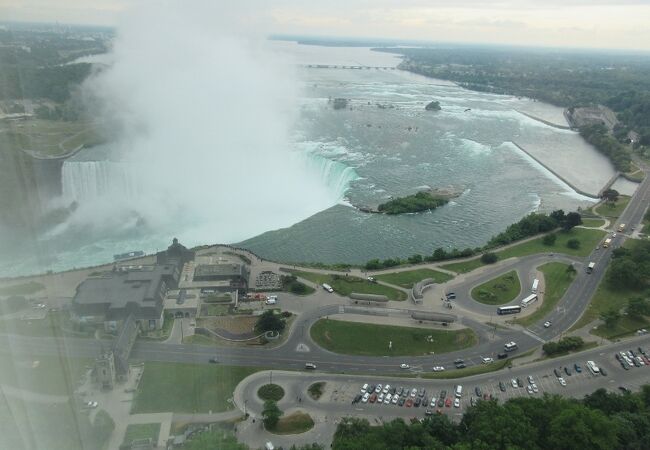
(418, 402)
(547, 324)
(530, 379)
(487, 360)
(529, 389)
(502, 386)
(577, 367)
(373, 398)
(380, 398)
(414, 392)
(387, 399)
(386, 389)
(562, 382)
(438, 368)
(603, 372)
(514, 383)
(456, 403)
(460, 366)
(535, 388)
(441, 402)
(567, 370)
(557, 373)
(357, 398)
(428, 412)
(478, 391)
(409, 402)
(448, 402)
(91, 404)
(401, 401)
(395, 399)
(365, 397)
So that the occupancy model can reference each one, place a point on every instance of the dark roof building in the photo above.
(176, 254)
(136, 290)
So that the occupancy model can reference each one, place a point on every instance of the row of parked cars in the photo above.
(405, 396)
(631, 358)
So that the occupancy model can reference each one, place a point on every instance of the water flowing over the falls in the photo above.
(333, 174)
(89, 180)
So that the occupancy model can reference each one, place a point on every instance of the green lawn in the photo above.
(295, 423)
(353, 338)
(142, 431)
(625, 326)
(498, 291)
(613, 210)
(557, 281)
(345, 285)
(408, 278)
(592, 222)
(55, 375)
(22, 289)
(607, 298)
(589, 239)
(187, 388)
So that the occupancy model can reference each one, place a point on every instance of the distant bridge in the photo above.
(339, 66)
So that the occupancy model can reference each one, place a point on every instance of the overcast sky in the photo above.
(570, 23)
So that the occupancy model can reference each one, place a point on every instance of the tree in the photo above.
(489, 258)
(610, 195)
(271, 414)
(103, 426)
(268, 321)
(415, 259)
(638, 307)
(549, 239)
(439, 254)
(573, 243)
(558, 216)
(571, 270)
(610, 317)
(572, 219)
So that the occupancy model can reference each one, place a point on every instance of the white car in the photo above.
(414, 392)
(365, 397)
(91, 404)
(530, 379)
(457, 403)
(387, 399)
(371, 279)
(487, 360)
(547, 324)
(404, 366)
(438, 368)
(395, 399)
(433, 402)
(364, 388)
(529, 389)
(380, 399)
(386, 389)
(378, 388)
(535, 388)
(514, 383)
(562, 382)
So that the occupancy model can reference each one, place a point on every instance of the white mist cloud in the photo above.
(203, 111)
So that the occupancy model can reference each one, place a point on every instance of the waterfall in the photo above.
(333, 174)
(89, 180)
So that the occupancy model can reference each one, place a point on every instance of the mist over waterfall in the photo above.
(200, 121)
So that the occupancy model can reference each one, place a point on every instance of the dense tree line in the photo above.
(630, 268)
(532, 224)
(564, 345)
(600, 421)
(598, 136)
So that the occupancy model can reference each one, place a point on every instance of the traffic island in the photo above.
(271, 392)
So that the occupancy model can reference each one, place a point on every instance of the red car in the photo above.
(373, 398)
(448, 402)
(408, 403)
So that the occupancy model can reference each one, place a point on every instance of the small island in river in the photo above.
(422, 201)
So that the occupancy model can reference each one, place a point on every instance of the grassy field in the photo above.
(270, 392)
(142, 431)
(557, 281)
(295, 423)
(498, 291)
(408, 278)
(345, 285)
(187, 388)
(613, 210)
(592, 222)
(626, 326)
(22, 289)
(54, 375)
(353, 338)
(589, 239)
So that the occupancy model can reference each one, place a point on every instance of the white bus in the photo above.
(502, 310)
(607, 242)
(590, 267)
(510, 346)
(535, 286)
(528, 300)
(593, 368)
(328, 288)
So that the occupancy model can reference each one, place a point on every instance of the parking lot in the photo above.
(503, 385)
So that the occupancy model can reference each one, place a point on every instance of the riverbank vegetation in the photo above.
(422, 201)
(355, 338)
